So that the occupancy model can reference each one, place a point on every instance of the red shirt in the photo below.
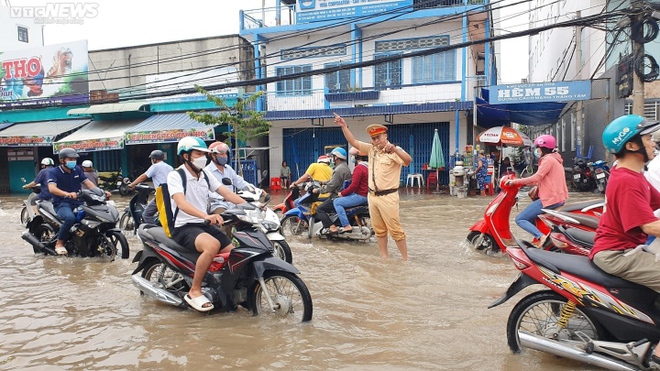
(629, 203)
(359, 181)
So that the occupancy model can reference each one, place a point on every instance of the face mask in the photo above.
(222, 161)
(71, 164)
(352, 159)
(199, 162)
(537, 153)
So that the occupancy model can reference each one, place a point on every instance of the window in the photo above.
(439, 67)
(23, 34)
(339, 81)
(388, 74)
(297, 86)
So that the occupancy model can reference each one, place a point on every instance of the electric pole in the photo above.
(578, 74)
(638, 52)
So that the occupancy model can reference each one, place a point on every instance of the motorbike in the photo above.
(288, 203)
(296, 221)
(131, 218)
(93, 234)
(114, 182)
(493, 232)
(601, 173)
(583, 180)
(28, 212)
(358, 217)
(582, 314)
(249, 275)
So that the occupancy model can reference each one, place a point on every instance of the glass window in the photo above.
(23, 34)
(339, 81)
(297, 86)
(388, 74)
(439, 67)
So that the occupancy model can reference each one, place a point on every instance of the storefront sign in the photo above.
(26, 141)
(89, 145)
(540, 92)
(323, 10)
(48, 75)
(166, 136)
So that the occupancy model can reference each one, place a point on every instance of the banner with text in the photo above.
(166, 136)
(26, 141)
(540, 92)
(47, 75)
(90, 145)
(323, 10)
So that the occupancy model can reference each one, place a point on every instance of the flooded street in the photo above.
(369, 313)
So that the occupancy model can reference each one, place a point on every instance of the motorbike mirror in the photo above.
(226, 181)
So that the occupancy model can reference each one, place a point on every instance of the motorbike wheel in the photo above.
(538, 314)
(24, 215)
(487, 243)
(105, 249)
(119, 240)
(294, 226)
(124, 190)
(282, 250)
(126, 222)
(163, 277)
(289, 295)
(365, 222)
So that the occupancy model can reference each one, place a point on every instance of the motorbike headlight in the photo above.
(270, 226)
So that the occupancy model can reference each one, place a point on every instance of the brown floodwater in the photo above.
(369, 313)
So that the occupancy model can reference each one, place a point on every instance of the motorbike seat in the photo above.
(581, 266)
(48, 207)
(585, 238)
(586, 220)
(158, 233)
(580, 205)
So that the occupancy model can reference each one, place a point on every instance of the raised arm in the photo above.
(350, 138)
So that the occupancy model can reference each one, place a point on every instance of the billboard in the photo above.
(323, 10)
(46, 75)
(560, 91)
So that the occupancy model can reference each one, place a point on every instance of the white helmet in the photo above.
(47, 161)
(87, 163)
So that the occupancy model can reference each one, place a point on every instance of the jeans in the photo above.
(525, 219)
(149, 213)
(341, 203)
(65, 212)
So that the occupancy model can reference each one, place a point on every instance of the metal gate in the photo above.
(303, 146)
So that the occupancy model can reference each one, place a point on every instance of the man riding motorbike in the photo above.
(319, 171)
(158, 173)
(355, 194)
(340, 174)
(630, 200)
(220, 168)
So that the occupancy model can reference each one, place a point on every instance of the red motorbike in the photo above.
(287, 204)
(583, 313)
(493, 232)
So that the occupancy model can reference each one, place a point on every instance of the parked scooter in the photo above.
(583, 180)
(249, 275)
(493, 232)
(131, 218)
(601, 173)
(114, 182)
(93, 234)
(583, 314)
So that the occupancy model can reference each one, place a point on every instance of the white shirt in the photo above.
(237, 181)
(197, 192)
(158, 172)
(653, 176)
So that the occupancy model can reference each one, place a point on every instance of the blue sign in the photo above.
(560, 91)
(323, 10)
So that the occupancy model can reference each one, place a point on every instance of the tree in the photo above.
(245, 124)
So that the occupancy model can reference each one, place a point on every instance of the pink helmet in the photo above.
(323, 158)
(219, 147)
(546, 141)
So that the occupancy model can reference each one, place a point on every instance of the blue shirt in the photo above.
(158, 173)
(68, 182)
(42, 181)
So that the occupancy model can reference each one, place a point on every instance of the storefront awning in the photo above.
(168, 127)
(530, 114)
(41, 134)
(110, 108)
(5, 125)
(97, 136)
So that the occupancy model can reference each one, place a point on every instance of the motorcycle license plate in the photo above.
(119, 183)
(576, 176)
(600, 175)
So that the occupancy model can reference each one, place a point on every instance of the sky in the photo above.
(122, 23)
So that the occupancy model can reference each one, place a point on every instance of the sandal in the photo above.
(200, 303)
(336, 230)
(342, 230)
(61, 250)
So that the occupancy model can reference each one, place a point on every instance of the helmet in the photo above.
(323, 158)
(47, 161)
(68, 153)
(87, 163)
(339, 152)
(157, 154)
(618, 132)
(656, 136)
(546, 141)
(219, 147)
(187, 144)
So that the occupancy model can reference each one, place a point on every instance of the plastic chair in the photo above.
(432, 179)
(275, 184)
(411, 180)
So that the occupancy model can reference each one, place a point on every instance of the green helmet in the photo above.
(188, 144)
(618, 132)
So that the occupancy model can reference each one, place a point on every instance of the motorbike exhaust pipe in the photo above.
(552, 347)
(155, 292)
(38, 245)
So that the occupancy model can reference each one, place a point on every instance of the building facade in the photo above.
(18, 31)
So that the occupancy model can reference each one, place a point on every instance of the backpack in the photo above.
(166, 216)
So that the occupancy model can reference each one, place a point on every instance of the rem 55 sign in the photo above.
(540, 92)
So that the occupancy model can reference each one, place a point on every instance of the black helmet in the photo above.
(68, 153)
(157, 155)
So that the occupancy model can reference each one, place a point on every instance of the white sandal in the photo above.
(61, 250)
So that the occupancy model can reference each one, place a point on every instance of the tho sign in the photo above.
(540, 92)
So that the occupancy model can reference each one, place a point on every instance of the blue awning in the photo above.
(169, 127)
(531, 114)
(5, 125)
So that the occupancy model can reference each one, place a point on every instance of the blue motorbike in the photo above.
(601, 172)
(296, 221)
